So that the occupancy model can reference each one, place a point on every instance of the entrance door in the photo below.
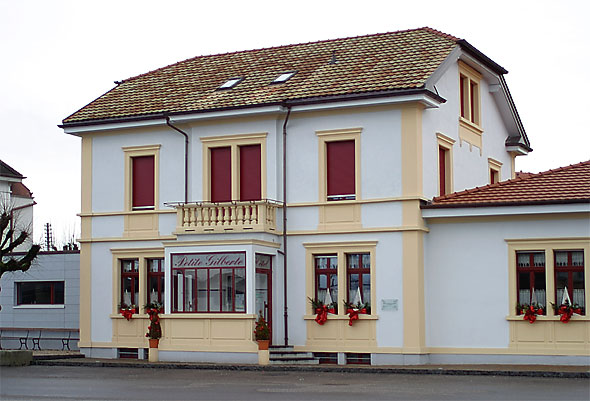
(264, 288)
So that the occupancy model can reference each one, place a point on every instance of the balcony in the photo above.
(223, 217)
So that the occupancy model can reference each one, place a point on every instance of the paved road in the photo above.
(89, 383)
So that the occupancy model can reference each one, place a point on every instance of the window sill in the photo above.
(39, 307)
(475, 128)
(343, 317)
(548, 318)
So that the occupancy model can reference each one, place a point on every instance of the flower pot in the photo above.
(263, 344)
(154, 342)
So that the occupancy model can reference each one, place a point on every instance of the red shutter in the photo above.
(341, 169)
(250, 188)
(442, 170)
(221, 174)
(462, 90)
(143, 181)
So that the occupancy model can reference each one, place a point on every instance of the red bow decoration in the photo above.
(353, 314)
(322, 314)
(127, 313)
(531, 313)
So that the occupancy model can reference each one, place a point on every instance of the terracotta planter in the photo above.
(263, 344)
(154, 342)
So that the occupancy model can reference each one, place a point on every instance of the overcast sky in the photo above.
(57, 56)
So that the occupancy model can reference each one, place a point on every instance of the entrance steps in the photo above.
(281, 355)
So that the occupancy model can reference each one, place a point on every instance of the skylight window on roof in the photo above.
(284, 77)
(230, 83)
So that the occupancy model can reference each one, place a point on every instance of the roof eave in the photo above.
(496, 204)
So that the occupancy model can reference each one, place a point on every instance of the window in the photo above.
(340, 170)
(569, 274)
(130, 282)
(445, 164)
(495, 168)
(142, 182)
(469, 94)
(155, 279)
(284, 77)
(141, 177)
(541, 270)
(230, 83)
(326, 279)
(209, 282)
(339, 273)
(235, 167)
(40, 293)
(530, 268)
(339, 164)
(358, 277)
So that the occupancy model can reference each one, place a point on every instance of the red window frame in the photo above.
(360, 271)
(328, 272)
(250, 172)
(143, 182)
(531, 270)
(133, 276)
(462, 93)
(158, 276)
(220, 171)
(340, 170)
(570, 269)
(195, 299)
(53, 290)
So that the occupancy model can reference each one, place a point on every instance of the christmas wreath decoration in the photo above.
(566, 310)
(127, 311)
(354, 310)
(322, 310)
(530, 312)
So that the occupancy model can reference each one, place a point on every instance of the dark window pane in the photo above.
(58, 293)
(214, 290)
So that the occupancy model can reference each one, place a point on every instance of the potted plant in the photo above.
(262, 333)
(154, 329)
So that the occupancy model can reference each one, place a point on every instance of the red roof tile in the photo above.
(394, 61)
(570, 184)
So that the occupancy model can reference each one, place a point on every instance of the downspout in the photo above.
(286, 315)
(185, 157)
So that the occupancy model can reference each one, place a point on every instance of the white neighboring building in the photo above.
(188, 171)
(15, 196)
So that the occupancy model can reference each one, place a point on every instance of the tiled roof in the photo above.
(394, 61)
(7, 171)
(569, 184)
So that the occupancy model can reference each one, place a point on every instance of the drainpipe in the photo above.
(185, 157)
(286, 315)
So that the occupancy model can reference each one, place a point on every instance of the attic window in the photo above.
(283, 77)
(230, 83)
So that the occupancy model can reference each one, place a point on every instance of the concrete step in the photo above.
(308, 361)
(291, 355)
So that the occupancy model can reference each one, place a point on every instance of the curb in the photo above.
(288, 368)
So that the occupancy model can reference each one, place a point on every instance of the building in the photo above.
(230, 185)
(16, 197)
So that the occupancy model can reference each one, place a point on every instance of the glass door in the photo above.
(264, 288)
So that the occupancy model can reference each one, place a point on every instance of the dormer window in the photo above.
(283, 77)
(231, 83)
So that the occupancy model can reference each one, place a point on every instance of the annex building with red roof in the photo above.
(313, 185)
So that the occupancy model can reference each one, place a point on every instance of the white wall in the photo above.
(466, 277)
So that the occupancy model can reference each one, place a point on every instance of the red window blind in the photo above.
(250, 173)
(143, 182)
(221, 174)
(462, 90)
(340, 170)
(442, 170)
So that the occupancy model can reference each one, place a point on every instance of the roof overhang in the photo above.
(423, 96)
(554, 209)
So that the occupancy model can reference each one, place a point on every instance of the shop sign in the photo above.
(208, 260)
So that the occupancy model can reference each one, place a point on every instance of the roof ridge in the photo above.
(425, 28)
(510, 181)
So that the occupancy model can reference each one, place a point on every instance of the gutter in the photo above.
(185, 156)
(286, 313)
(493, 204)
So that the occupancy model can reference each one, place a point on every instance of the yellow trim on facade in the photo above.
(495, 166)
(85, 249)
(222, 243)
(123, 239)
(125, 213)
(470, 131)
(360, 201)
(233, 142)
(360, 230)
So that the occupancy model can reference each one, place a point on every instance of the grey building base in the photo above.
(479, 359)
(218, 357)
(15, 357)
(106, 353)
